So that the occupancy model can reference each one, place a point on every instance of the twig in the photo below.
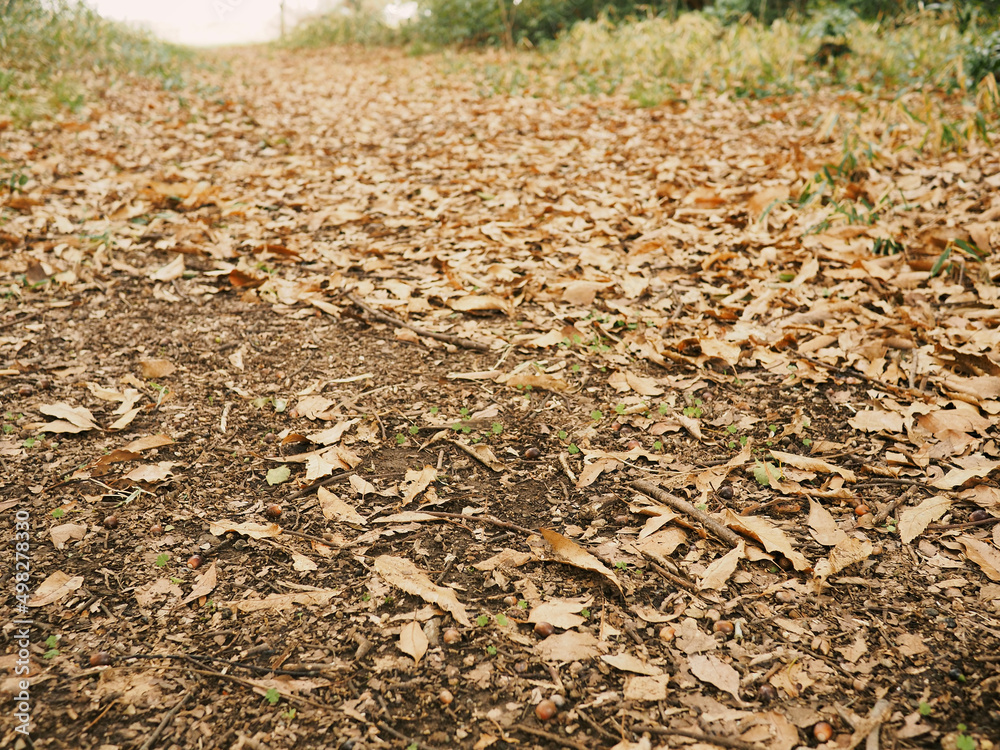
(714, 739)
(99, 717)
(682, 582)
(679, 504)
(391, 320)
(467, 449)
(309, 488)
(487, 519)
(151, 740)
(23, 319)
(565, 466)
(889, 508)
(963, 525)
(552, 737)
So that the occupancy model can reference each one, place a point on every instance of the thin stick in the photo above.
(151, 740)
(391, 320)
(666, 574)
(564, 462)
(679, 504)
(468, 450)
(552, 737)
(714, 739)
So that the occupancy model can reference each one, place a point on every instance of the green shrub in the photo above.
(983, 58)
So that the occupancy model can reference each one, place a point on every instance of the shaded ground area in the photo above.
(231, 463)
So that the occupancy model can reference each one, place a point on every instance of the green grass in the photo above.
(53, 57)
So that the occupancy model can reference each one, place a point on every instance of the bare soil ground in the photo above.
(231, 460)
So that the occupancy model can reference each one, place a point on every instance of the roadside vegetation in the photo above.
(55, 58)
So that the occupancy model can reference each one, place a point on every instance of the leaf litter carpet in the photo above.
(353, 409)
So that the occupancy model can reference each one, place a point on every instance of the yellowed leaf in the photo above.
(983, 554)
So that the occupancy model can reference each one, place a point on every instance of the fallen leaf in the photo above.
(773, 538)
(335, 509)
(573, 554)
(56, 586)
(281, 602)
(151, 473)
(562, 613)
(252, 530)
(647, 688)
(67, 532)
(156, 368)
(913, 521)
(983, 554)
(714, 671)
(413, 641)
(718, 572)
(203, 587)
(568, 647)
(278, 474)
(71, 419)
(416, 481)
(807, 463)
(626, 662)
(822, 525)
(403, 574)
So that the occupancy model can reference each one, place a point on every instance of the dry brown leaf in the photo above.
(807, 463)
(573, 554)
(562, 613)
(71, 419)
(983, 554)
(822, 525)
(403, 574)
(846, 552)
(413, 641)
(157, 368)
(913, 521)
(594, 469)
(625, 662)
(203, 586)
(773, 538)
(252, 530)
(67, 532)
(568, 647)
(282, 602)
(958, 477)
(647, 688)
(507, 558)
(718, 572)
(151, 441)
(714, 671)
(151, 473)
(416, 481)
(332, 435)
(335, 509)
(56, 586)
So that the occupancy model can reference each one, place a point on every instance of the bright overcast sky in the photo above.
(209, 22)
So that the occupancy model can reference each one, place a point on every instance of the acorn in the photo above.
(724, 626)
(195, 561)
(977, 516)
(111, 522)
(273, 512)
(156, 529)
(532, 453)
(445, 697)
(100, 659)
(451, 636)
(544, 629)
(546, 710)
(822, 731)
(766, 693)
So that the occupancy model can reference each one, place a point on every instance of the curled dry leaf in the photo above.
(718, 572)
(818, 465)
(403, 574)
(773, 538)
(570, 552)
(714, 671)
(67, 532)
(983, 554)
(151, 473)
(69, 419)
(562, 613)
(416, 481)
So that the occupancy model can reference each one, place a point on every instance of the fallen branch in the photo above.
(394, 321)
(683, 506)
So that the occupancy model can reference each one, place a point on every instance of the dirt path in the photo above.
(189, 350)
